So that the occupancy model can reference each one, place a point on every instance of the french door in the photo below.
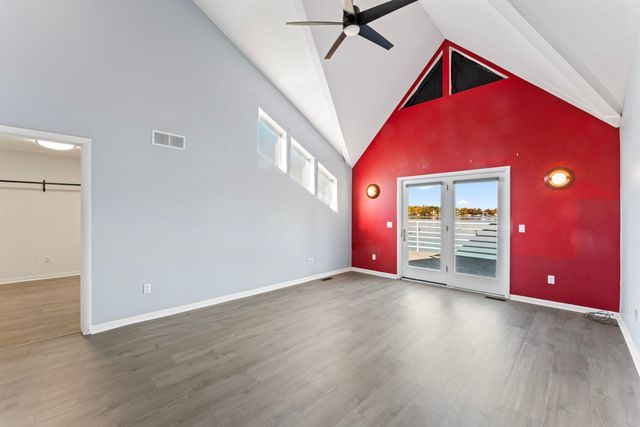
(455, 229)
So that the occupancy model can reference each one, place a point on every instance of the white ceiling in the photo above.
(578, 50)
(27, 145)
(286, 55)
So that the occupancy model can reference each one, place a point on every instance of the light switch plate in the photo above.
(146, 288)
(373, 257)
(389, 224)
(551, 280)
(521, 228)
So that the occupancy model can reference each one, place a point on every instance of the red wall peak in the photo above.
(572, 234)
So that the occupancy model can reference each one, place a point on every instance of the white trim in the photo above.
(38, 277)
(375, 273)
(106, 326)
(481, 63)
(281, 155)
(456, 173)
(333, 203)
(424, 76)
(506, 170)
(311, 162)
(633, 350)
(554, 304)
(85, 197)
(635, 354)
(448, 71)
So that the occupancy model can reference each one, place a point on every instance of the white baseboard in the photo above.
(635, 355)
(106, 326)
(374, 273)
(554, 304)
(40, 277)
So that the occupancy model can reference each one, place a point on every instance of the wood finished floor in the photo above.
(37, 310)
(355, 350)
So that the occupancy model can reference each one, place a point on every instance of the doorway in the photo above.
(455, 229)
(46, 184)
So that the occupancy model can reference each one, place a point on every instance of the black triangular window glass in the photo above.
(430, 87)
(467, 74)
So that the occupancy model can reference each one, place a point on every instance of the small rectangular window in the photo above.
(302, 166)
(327, 188)
(272, 140)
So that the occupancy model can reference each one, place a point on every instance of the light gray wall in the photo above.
(210, 221)
(630, 200)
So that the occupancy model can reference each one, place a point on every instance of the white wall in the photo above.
(630, 201)
(213, 220)
(36, 225)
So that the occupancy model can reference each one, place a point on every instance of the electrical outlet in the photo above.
(310, 260)
(47, 259)
(522, 228)
(551, 280)
(373, 257)
(389, 224)
(146, 288)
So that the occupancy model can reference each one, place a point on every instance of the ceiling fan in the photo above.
(355, 23)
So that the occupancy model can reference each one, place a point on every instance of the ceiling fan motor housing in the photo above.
(351, 30)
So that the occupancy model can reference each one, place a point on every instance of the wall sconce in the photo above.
(373, 191)
(559, 178)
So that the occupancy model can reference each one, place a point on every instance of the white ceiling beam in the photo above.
(340, 144)
(602, 108)
(592, 27)
(285, 55)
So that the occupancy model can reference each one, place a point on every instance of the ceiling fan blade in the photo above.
(373, 36)
(314, 23)
(335, 46)
(347, 6)
(381, 10)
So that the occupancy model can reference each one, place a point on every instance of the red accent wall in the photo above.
(573, 234)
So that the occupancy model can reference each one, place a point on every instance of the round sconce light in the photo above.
(373, 191)
(559, 178)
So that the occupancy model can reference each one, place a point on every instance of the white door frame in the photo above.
(504, 225)
(85, 202)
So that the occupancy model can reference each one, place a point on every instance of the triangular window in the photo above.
(430, 87)
(467, 74)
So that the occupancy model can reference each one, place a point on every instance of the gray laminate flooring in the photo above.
(39, 310)
(355, 350)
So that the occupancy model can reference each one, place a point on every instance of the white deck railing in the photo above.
(475, 237)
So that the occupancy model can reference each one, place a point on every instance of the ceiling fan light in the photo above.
(351, 30)
(60, 146)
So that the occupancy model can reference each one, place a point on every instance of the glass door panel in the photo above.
(455, 230)
(424, 226)
(476, 227)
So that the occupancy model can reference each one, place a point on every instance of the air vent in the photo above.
(169, 140)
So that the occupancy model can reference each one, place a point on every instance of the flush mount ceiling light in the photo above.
(559, 178)
(59, 146)
(373, 191)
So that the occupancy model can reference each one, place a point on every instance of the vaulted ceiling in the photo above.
(578, 50)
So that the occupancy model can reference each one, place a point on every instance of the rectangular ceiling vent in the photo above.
(169, 140)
